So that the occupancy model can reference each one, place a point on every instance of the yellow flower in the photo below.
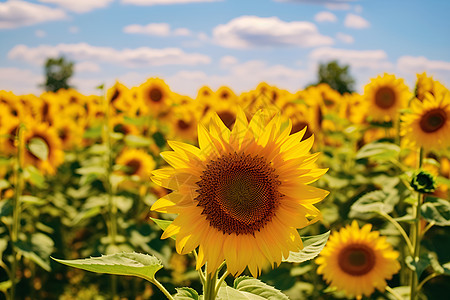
(118, 97)
(242, 195)
(427, 84)
(386, 95)
(50, 137)
(428, 125)
(156, 96)
(136, 162)
(357, 260)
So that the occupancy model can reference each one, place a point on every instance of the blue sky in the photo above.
(239, 43)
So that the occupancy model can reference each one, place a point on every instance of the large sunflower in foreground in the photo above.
(428, 125)
(242, 195)
(357, 260)
(385, 96)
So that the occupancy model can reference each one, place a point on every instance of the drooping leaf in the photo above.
(32, 174)
(228, 293)
(93, 132)
(257, 287)
(419, 265)
(4, 184)
(376, 201)
(132, 264)
(37, 248)
(137, 141)
(312, 245)
(186, 293)
(39, 148)
(436, 210)
(378, 151)
(5, 285)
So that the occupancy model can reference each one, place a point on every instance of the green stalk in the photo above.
(416, 235)
(112, 208)
(162, 289)
(16, 210)
(210, 286)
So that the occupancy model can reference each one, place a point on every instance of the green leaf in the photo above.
(312, 245)
(436, 210)
(186, 293)
(138, 121)
(6, 207)
(27, 199)
(257, 287)
(132, 264)
(98, 170)
(419, 265)
(228, 293)
(5, 285)
(159, 139)
(3, 246)
(34, 176)
(378, 151)
(37, 248)
(93, 132)
(137, 141)
(38, 147)
(437, 267)
(4, 184)
(163, 224)
(376, 201)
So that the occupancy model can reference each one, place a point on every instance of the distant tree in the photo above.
(336, 76)
(58, 72)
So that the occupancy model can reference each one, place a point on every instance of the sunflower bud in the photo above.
(423, 182)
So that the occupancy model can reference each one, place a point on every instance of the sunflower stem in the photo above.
(400, 229)
(394, 293)
(162, 289)
(209, 287)
(416, 236)
(16, 209)
(112, 208)
(200, 272)
(429, 277)
(219, 283)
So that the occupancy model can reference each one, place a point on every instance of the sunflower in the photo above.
(357, 260)
(386, 95)
(49, 136)
(428, 125)
(241, 195)
(427, 84)
(118, 97)
(156, 96)
(136, 162)
(224, 93)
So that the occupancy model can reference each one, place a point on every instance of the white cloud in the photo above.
(163, 2)
(74, 29)
(418, 64)
(330, 4)
(345, 38)
(79, 6)
(355, 21)
(157, 29)
(182, 32)
(40, 33)
(86, 66)
(325, 16)
(138, 57)
(240, 77)
(253, 31)
(20, 81)
(228, 60)
(20, 13)
(359, 59)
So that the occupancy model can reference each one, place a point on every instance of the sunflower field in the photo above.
(266, 194)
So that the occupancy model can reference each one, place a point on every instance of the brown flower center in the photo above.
(238, 193)
(356, 260)
(133, 167)
(298, 126)
(433, 120)
(183, 125)
(385, 97)
(155, 95)
(227, 118)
